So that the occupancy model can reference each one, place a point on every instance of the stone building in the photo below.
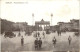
(65, 26)
(20, 25)
(75, 24)
(69, 26)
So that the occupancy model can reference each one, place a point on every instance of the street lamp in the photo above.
(32, 20)
(51, 18)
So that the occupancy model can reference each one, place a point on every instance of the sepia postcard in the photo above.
(39, 26)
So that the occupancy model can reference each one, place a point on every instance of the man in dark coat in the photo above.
(38, 34)
(40, 43)
(58, 32)
(69, 39)
(36, 44)
(22, 41)
(54, 41)
(43, 35)
(19, 34)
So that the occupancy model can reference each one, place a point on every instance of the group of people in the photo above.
(59, 33)
(37, 34)
(38, 43)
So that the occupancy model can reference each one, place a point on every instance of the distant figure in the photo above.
(19, 34)
(43, 35)
(69, 39)
(40, 43)
(54, 41)
(22, 41)
(36, 43)
(38, 34)
(58, 33)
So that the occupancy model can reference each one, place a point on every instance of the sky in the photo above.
(21, 10)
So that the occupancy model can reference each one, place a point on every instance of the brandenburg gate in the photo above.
(42, 25)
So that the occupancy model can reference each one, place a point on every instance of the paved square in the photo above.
(14, 44)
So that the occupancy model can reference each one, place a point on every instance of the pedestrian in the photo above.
(58, 33)
(19, 34)
(54, 41)
(22, 41)
(69, 39)
(40, 43)
(36, 44)
(43, 35)
(38, 34)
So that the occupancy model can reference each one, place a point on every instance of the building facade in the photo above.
(20, 25)
(69, 26)
(75, 23)
(65, 26)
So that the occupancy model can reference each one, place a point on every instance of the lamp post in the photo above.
(32, 21)
(51, 18)
(33, 18)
